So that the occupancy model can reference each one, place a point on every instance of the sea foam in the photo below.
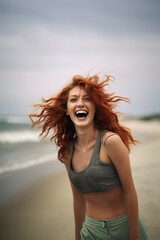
(18, 136)
(27, 164)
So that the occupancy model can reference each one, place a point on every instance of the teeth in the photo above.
(81, 113)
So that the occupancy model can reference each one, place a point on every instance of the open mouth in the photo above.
(81, 114)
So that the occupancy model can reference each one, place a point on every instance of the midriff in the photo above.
(105, 205)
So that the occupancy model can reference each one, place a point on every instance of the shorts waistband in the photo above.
(109, 222)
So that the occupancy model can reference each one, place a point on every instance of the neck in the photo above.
(86, 136)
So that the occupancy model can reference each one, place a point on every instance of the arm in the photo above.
(79, 207)
(118, 153)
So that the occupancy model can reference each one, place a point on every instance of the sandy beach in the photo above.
(36, 203)
(42, 210)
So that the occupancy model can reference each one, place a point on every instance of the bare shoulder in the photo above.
(114, 145)
(110, 138)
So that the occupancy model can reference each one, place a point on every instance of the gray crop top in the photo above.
(98, 176)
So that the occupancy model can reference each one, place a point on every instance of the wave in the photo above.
(17, 129)
(14, 119)
(27, 164)
(20, 136)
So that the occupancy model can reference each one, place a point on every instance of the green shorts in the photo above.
(114, 229)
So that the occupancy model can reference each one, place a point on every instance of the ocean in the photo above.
(20, 145)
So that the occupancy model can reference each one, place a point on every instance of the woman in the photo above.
(95, 150)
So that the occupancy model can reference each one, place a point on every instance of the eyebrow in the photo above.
(74, 95)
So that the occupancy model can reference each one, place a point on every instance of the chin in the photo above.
(83, 124)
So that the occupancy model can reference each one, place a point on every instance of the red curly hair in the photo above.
(52, 115)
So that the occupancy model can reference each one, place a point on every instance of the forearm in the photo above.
(79, 217)
(132, 209)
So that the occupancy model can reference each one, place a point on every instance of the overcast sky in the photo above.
(44, 43)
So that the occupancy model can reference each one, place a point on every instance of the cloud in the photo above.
(44, 43)
(44, 48)
(106, 17)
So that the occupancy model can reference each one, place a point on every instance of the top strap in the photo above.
(109, 136)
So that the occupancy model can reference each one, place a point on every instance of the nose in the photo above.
(80, 103)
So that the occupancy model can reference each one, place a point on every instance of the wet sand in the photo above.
(42, 210)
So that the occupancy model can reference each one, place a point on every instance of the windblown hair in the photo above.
(52, 115)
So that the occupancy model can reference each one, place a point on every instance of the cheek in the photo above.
(69, 109)
(93, 109)
(68, 106)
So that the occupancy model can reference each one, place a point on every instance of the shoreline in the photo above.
(14, 182)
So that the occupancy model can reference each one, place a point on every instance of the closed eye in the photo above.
(87, 99)
(73, 99)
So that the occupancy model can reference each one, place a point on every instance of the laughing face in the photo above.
(80, 108)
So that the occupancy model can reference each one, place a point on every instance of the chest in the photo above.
(81, 159)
